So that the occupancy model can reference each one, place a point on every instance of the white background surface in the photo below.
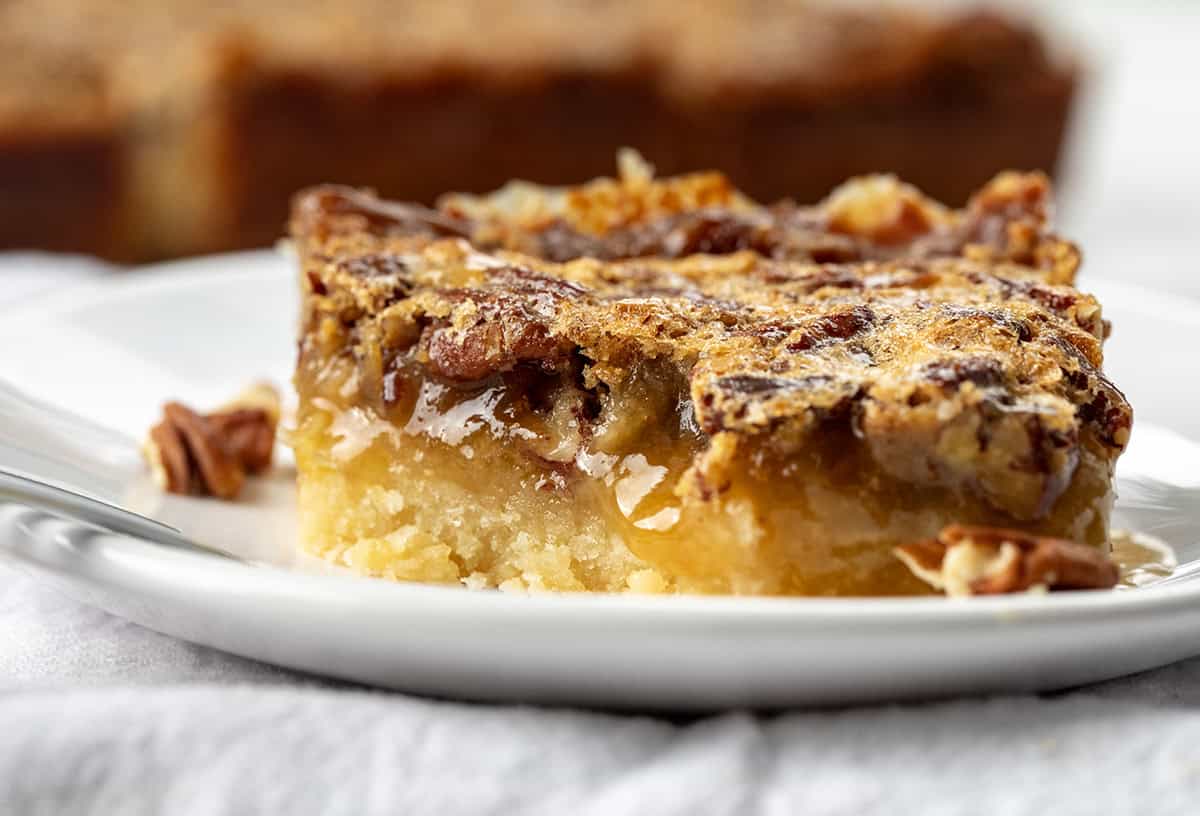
(100, 716)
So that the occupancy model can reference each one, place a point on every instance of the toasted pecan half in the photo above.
(966, 560)
(211, 454)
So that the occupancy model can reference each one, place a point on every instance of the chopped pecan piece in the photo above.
(167, 455)
(214, 470)
(965, 561)
(247, 425)
(210, 455)
(248, 434)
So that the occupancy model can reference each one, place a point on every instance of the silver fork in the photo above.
(59, 462)
(80, 507)
(51, 444)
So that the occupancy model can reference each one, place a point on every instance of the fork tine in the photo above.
(55, 445)
(83, 508)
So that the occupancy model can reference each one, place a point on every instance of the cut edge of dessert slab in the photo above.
(662, 386)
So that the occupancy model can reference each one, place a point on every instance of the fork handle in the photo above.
(55, 445)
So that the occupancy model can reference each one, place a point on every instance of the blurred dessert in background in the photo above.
(140, 130)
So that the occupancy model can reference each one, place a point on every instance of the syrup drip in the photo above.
(1142, 559)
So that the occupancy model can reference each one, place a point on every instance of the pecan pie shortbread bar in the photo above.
(662, 386)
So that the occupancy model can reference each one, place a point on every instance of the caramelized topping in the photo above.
(945, 345)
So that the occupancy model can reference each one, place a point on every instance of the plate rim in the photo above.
(142, 559)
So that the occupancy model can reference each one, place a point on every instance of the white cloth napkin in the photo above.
(101, 716)
(98, 715)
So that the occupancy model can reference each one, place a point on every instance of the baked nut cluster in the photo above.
(964, 561)
(212, 454)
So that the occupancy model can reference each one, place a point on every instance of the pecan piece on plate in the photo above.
(966, 560)
(211, 454)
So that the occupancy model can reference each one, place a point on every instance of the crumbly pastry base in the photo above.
(421, 511)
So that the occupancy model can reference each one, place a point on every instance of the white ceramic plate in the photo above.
(196, 330)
